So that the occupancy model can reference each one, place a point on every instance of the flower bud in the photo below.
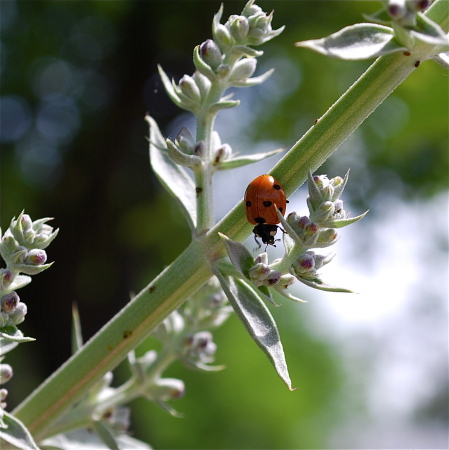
(6, 278)
(200, 149)
(211, 54)
(167, 389)
(327, 237)
(26, 222)
(273, 278)
(18, 315)
(239, 27)
(19, 255)
(222, 37)
(251, 9)
(5, 373)
(9, 302)
(243, 69)
(222, 153)
(259, 273)
(189, 88)
(418, 5)
(3, 395)
(199, 347)
(202, 82)
(323, 212)
(304, 264)
(223, 70)
(262, 258)
(397, 8)
(286, 280)
(36, 257)
(186, 141)
(339, 212)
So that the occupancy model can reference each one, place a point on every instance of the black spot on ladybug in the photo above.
(281, 209)
(248, 203)
(276, 186)
(259, 220)
(267, 203)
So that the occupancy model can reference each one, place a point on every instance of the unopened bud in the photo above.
(243, 69)
(5, 373)
(36, 257)
(211, 54)
(9, 302)
(239, 27)
(189, 88)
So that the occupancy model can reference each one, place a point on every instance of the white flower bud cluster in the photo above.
(22, 247)
(261, 274)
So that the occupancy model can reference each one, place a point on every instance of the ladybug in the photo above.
(260, 197)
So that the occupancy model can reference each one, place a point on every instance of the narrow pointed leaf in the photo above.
(173, 177)
(77, 336)
(169, 88)
(254, 81)
(105, 434)
(240, 161)
(318, 284)
(239, 255)
(16, 434)
(258, 321)
(430, 32)
(13, 334)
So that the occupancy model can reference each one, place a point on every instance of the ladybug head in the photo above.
(266, 233)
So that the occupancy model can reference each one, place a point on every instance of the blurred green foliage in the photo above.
(76, 81)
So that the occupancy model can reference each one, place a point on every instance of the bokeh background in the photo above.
(372, 368)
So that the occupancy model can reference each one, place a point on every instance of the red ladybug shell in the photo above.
(260, 197)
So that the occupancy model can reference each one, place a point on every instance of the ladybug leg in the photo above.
(257, 242)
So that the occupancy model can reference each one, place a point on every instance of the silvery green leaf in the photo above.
(429, 32)
(243, 50)
(266, 294)
(380, 16)
(19, 282)
(442, 59)
(340, 223)
(320, 285)
(181, 158)
(201, 66)
(170, 88)
(6, 346)
(77, 336)
(359, 41)
(258, 321)
(223, 104)
(13, 334)
(30, 269)
(16, 434)
(172, 176)
(240, 161)
(105, 434)
(248, 82)
(290, 296)
(84, 439)
(240, 257)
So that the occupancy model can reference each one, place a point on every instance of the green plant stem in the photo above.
(191, 269)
